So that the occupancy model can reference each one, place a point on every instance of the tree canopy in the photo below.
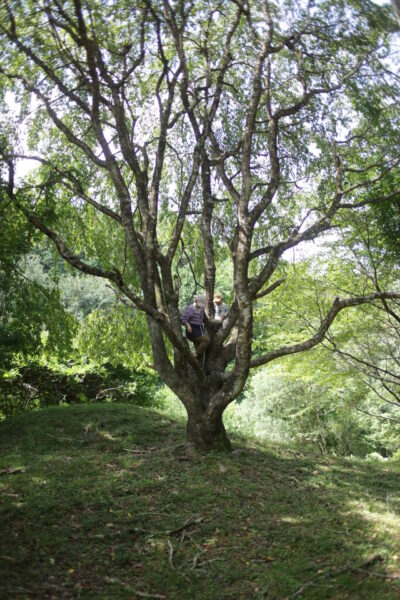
(174, 137)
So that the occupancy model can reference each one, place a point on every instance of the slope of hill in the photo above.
(102, 502)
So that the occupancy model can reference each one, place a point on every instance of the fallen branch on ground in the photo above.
(148, 595)
(171, 555)
(12, 471)
(334, 571)
(375, 574)
(113, 580)
(189, 522)
(133, 451)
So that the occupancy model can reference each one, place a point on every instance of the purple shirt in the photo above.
(193, 315)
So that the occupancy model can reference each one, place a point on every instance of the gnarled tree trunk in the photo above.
(206, 432)
(226, 124)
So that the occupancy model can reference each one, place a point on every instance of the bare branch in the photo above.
(270, 289)
(382, 417)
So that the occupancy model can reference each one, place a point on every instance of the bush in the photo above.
(32, 386)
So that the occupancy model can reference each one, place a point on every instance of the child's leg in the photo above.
(201, 344)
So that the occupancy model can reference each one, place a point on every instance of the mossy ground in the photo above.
(97, 502)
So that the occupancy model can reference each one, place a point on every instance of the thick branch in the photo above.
(396, 9)
(270, 289)
(337, 307)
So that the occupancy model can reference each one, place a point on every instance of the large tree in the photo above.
(257, 123)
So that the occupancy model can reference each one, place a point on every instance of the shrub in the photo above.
(33, 385)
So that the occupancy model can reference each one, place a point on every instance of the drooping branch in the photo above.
(382, 417)
(13, 35)
(366, 366)
(58, 122)
(337, 307)
(76, 186)
(116, 278)
(75, 261)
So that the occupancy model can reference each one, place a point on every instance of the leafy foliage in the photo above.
(29, 305)
(32, 386)
(119, 336)
(342, 398)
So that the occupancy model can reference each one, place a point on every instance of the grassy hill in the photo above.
(97, 501)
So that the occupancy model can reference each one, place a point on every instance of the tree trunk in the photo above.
(205, 432)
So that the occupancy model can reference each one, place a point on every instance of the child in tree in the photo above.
(220, 309)
(193, 318)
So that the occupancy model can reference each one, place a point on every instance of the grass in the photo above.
(96, 502)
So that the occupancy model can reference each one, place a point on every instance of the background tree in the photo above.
(341, 396)
(250, 126)
(29, 307)
(370, 253)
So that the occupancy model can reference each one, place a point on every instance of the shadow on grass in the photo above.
(96, 504)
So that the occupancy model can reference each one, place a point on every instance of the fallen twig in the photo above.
(59, 437)
(9, 558)
(148, 595)
(171, 554)
(189, 522)
(12, 471)
(20, 590)
(375, 574)
(185, 535)
(133, 451)
(211, 560)
(334, 571)
(164, 514)
(103, 393)
(195, 561)
(131, 589)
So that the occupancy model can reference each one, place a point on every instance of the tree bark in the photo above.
(396, 9)
(207, 432)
